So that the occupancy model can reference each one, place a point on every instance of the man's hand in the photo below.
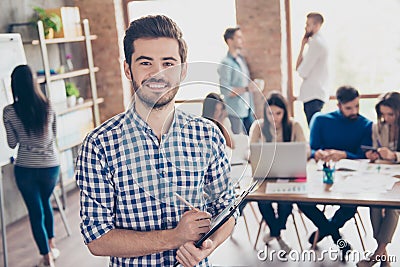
(252, 87)
(188, 255)
(320, 155)
(192, 226)
(305, 39)
(335, 155)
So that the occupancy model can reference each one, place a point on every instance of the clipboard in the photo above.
(224, 216)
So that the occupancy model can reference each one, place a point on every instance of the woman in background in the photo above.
(276, 126)
(214, 109)
(385, 137)
(31, 122)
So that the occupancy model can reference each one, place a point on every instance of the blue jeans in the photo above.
(312, 107)
(36, 186)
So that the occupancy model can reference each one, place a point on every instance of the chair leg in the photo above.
(361, 221)
(252, 209)
(260, 227)
(297, 232)
(359, 233)
(62, 213)
(302, 220)
(315, 241)
(247, 226)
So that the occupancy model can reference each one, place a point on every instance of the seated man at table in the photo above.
(334, 136)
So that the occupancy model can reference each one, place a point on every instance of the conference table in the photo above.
(364, 187)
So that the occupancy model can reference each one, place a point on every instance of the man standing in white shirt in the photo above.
(313, 67)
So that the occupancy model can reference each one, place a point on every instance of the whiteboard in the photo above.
(12, 54)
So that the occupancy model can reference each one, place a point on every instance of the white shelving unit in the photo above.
(92, 103)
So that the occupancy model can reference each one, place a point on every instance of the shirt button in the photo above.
(163, 173)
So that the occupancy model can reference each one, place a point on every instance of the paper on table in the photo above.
(347, 165)
(372, 183)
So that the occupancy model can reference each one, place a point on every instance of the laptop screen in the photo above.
(279, 160)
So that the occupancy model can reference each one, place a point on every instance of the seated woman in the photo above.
(276, 127)
(214, 109)
(385, 136)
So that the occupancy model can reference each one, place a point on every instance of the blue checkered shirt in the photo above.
(128, 177)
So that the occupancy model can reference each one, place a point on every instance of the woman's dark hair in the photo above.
(29, 103)
(275, 98)
(209, 104)
(391, 100)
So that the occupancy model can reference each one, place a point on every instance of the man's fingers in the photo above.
(186, 255)
(182, 260)
(207, 244)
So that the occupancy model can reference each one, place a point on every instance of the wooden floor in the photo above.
(236, 251)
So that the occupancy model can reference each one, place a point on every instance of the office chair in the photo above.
(263, 224)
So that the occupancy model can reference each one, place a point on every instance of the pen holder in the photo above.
(328, 175)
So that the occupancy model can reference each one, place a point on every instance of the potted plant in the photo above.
(72, 93)
(51, 21)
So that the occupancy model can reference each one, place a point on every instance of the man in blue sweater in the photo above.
(334, 136)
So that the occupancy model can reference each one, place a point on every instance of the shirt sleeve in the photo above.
(310, 59)
(315, 135)
(225, 77)
(218, 185)
(11, 133)
(93, 177)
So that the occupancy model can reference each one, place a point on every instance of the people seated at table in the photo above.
(214, 109)
(334, 136)
(385, 137)
(276, 126)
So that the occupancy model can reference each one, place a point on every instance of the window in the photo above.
(364, 47)
(203, 24)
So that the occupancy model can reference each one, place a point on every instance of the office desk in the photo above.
(320, 193)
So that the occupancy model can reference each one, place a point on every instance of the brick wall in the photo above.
(261, 26)
(102, 21)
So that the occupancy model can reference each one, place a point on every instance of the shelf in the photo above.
(70, 74)
(64, 40)
(62, 149)
(88, 103)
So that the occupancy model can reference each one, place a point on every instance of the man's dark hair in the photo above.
(318, 18)
(153, 27)
(346, 94)
(230, 32)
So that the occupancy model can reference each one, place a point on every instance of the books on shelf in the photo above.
(71, 22)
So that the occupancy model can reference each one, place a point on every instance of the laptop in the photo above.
(282, 160)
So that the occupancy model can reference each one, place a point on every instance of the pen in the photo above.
(184, 201)
(379, 143)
